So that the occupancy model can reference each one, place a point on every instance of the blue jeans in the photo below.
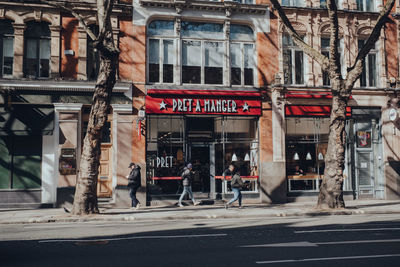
(132, 194)
(186, 190)
(237, 195)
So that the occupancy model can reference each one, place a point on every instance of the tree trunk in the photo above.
(331, 189)
(85, 200)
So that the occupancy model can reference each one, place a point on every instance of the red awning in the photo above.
(312, 111)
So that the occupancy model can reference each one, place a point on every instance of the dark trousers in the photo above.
(132, 194)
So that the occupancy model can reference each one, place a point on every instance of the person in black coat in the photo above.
(134, 182)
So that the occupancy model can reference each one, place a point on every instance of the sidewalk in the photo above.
(21, 216)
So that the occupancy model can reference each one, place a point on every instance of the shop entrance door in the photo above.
(200, 159)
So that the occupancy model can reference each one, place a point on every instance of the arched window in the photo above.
(369, 75)
(37, 50)
(293, 61)
(242, 55)
(92, 56)
(6, 48)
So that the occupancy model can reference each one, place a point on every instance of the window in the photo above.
(202, 61)
(298, 3)
(369, 75)
(325, 47)
(366, 5)
(6, 48)
(37, 50)
(161, 52)
(203, 51)
(242, 55)
(293, 62)
(92, 56)
(306, 147)
(323, 4)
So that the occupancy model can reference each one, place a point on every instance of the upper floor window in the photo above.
(202, 61)
(6, 48)
(325, 50)
(366, 5)
(92, 56)
(37, 50)
(298, 3)
(238, 1)
(369, 75)
(323, 4)
(293, 61)
(242, 55)
(161, 51)
(203, 53)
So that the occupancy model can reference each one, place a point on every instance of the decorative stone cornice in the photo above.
(227, 7)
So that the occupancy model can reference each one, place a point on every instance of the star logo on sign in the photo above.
(163, 105)
(245, 107)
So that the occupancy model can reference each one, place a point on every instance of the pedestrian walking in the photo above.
(236, 185)
(187, 179)
(134, 183)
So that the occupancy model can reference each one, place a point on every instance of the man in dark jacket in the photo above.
(236, 185)
(134, 182)
(187, 184)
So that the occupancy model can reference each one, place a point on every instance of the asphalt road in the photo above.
(356, 240)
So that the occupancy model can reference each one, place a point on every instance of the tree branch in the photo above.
(334, 59)
(63, 5)
(355, 71)
(314, 54)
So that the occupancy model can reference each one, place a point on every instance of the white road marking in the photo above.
(73, 225)
(330, 259)
(130, 238)
(347, 230)
(311, 244)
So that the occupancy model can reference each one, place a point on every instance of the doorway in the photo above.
(200, 159)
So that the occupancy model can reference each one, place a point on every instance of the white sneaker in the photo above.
(196, 203)
(180, 205)
(137, 206)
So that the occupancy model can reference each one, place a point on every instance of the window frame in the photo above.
(37, 40)
(364, 7)
(366, 70)
(4, 36)
(293, 49)
(242, 65)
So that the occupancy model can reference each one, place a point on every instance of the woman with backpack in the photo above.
(236, 185)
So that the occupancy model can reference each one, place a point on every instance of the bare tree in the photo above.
(331, 190)
(85, 200)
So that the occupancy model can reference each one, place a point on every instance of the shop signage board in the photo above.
(203, 102)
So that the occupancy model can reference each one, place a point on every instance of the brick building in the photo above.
(207, 82)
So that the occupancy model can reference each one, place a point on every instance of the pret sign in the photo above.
(164, 162)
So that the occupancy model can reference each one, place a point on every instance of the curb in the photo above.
(136, 218)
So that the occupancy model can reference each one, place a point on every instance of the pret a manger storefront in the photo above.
(209, 128)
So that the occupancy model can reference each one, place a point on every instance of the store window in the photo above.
(366, 5)
(242, 55)
(21, 158)
(369, 74)
(37, 50)
(293, 62)
(6, 48)
(209, 143)
(306, 146)
(161, 51)
(92, 56)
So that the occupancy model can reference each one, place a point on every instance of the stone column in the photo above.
(55, 51)
(18, 70)
(68, 116)
(122, 128)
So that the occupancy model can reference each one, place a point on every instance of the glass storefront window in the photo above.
(209, 143)
(306, 146)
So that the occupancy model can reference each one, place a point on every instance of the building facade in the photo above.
(206, 82)
(48, 72)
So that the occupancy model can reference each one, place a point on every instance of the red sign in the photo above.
(311, 111)
(203, 102)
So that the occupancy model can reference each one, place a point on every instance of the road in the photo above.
(356, 240)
